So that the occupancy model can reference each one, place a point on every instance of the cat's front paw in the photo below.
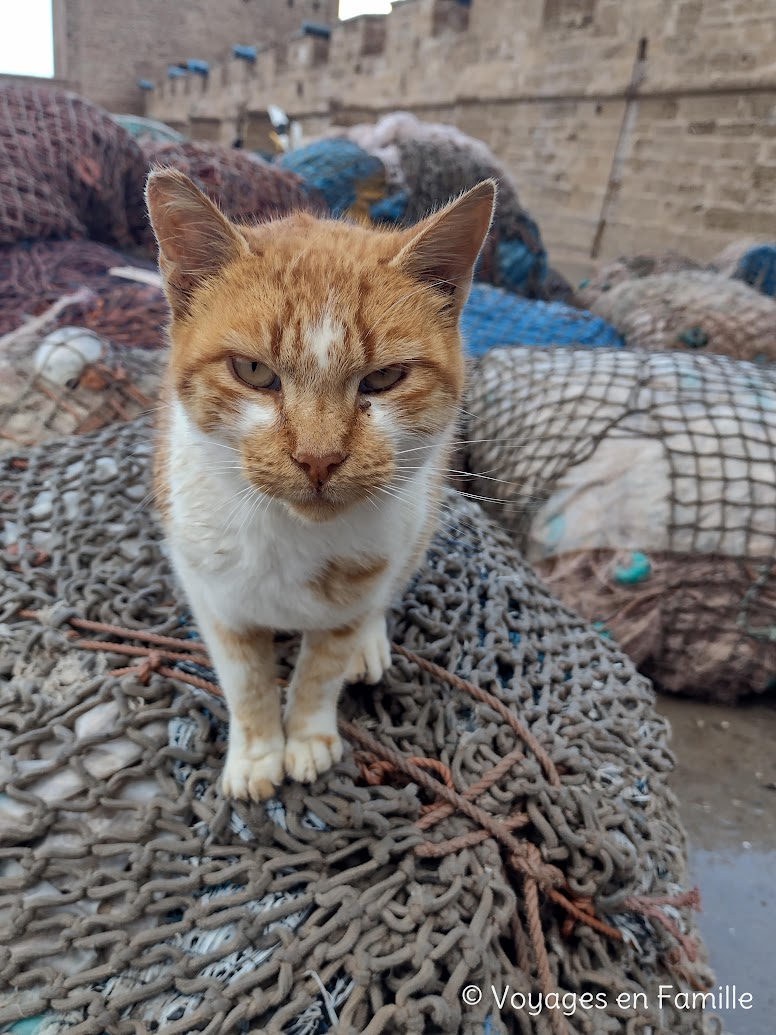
(372, 656)
(253, 773)
(309, 756)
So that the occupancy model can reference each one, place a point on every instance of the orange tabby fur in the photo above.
(341, 478)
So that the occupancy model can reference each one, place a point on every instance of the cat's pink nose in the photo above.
(319, 468)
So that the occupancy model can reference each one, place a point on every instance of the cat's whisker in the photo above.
(485, 477)
(412, 501)
(443, 506)
(251, 514)
(495, 499)
(146, 501)
(445, 514)
(228, 465)
(416, 449)
(241, 492)
(370, 496)
(243, 504)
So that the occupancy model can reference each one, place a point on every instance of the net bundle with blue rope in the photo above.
(642, 486)
(757, 267)
(694, 311)
(397, 171)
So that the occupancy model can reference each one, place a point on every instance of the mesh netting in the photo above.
(245, 187)
(642, 487)
(69, 381)
(80, 345)
(555, 288)
(692, 310)
(134, 898)
(729, 257)
(429, 163)
(67, 170)
(349, 179)
(492, 317)
(610, 274)
(35, 276)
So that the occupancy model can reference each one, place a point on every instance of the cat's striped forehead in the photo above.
(328, 321)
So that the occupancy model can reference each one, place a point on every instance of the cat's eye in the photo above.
(383, 379)
(254, 373)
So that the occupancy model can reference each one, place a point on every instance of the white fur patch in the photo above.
(321, 338)
(257, 413)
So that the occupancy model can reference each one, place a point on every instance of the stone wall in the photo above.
(628, 124)
(104, 46)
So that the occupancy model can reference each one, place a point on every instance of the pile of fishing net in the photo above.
(752, 261)
(399, 169)
(35, 276)
(67, 169)
(692, 310)
(348, 179)
(634, 267)
(504, 820)
(642, 489)
(80, 344)
(745, 260)
(492, 317)
(244, 186)
(70, 381)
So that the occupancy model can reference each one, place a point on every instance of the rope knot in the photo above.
(151, 663)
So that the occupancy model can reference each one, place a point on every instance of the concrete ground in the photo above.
(726, 783)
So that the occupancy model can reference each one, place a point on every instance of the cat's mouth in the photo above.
(322, 504)
(316, 510)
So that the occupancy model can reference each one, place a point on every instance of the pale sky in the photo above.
(26, 46)
(350, 7)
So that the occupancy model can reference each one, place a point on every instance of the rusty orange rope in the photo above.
(492, 702)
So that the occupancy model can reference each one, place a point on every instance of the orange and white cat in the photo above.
(314, 384)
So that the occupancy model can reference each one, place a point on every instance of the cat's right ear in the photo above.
(195, 239)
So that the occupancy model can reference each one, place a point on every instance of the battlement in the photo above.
(608, 112)
(311, 69)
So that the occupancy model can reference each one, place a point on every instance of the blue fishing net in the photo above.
(493, 317)
(337, 169)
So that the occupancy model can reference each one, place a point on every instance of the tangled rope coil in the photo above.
(379, 763)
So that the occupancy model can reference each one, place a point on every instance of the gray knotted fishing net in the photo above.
(692, 309)
(134, 898)
(643, 489)
(609, 274)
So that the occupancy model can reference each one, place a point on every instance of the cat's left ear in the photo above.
(443, 249)
(195, 239)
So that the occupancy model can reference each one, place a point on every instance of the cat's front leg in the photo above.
(244, 661)
(372, 654)
(326, 661)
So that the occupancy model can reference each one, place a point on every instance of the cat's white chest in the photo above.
(248, 560)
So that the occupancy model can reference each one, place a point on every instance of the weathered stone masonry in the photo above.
(628, 124)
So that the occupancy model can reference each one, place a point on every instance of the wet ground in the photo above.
(726, 783)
